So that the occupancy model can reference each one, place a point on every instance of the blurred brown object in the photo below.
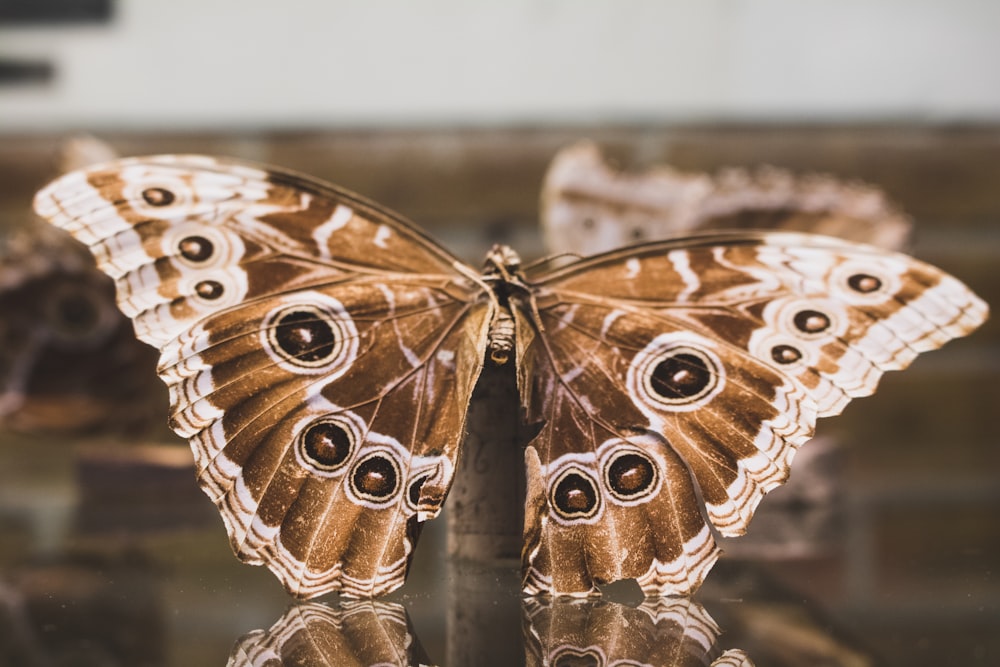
(69, 360)
(588, 206)
(662, 632)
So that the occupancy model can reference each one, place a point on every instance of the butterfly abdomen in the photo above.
(501, 336)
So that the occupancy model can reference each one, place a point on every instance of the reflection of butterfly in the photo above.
(670, 632)
(356, 633)
(320, 354)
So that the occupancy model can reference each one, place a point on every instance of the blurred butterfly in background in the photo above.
(320, 353)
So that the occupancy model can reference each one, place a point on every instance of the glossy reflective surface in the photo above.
(111, 556)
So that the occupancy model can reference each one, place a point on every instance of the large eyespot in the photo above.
(314, 334)
(326, 444)
(630, 475)
(675, 372)
(574, 496)
(375, 479)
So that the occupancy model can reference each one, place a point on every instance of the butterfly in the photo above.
(320, 353)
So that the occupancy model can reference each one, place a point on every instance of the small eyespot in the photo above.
(811, 321)
(209, 289)
(864, 283)
(785, 354)
(195, 248)
(158, 196)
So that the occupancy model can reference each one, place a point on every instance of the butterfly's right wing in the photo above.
(320, 353)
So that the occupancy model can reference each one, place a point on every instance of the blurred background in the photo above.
(451, 112)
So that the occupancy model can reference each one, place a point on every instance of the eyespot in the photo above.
(413, 491)
(158, 197)
(195, 249)
(630, 475)
(799, 319)
(312, 335)
(676, 372)
(864, 283)
(574, 495)
(811, 321)
(375, 479)
(785, 354)
(326, 444)
(210, 290)
(305, 336)
(868, 281)
(681, 376)
(573, 656)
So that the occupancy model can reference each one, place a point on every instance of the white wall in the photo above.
(224, 63)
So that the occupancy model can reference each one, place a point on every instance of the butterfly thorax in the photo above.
(502, 273)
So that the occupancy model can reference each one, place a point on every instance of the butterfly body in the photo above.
(321, 353)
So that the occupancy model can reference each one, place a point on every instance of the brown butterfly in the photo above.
(321, 351)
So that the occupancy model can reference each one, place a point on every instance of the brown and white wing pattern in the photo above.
(672, 632)
(700, 364)
(319, 352)
(361, 632)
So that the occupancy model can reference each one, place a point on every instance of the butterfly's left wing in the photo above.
(320, 353)
(689, 370)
